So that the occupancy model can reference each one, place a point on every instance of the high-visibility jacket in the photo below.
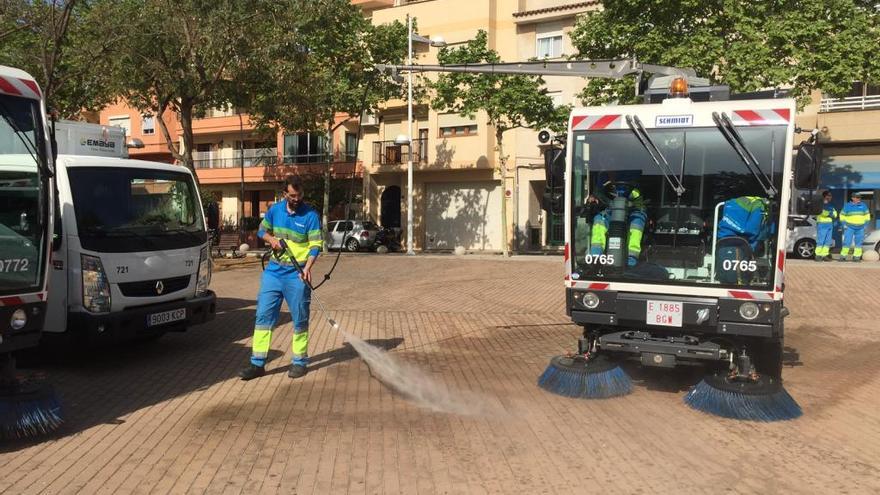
(745, 217)
(855, 215)
(827, 215)
(301, 231)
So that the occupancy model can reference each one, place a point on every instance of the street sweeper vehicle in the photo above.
(27, 407)
(675, 224)
(675, 246)
(132, 257)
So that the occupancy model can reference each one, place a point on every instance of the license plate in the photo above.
(665, 313)
(166, 317)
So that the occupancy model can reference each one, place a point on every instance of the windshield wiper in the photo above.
(194, 234)
(120, 232)
(635, 124)
(725, 125)
(29, 145)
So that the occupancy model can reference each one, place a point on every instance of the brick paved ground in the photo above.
(170, 416)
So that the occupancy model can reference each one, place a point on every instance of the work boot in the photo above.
(251, 372)
(297, 371)
(842, 258)
(828, 258)
(857, 260)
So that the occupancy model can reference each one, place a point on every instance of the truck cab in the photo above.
(132, 255)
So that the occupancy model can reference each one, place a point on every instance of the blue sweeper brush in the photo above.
(28, 408)
(587, 376)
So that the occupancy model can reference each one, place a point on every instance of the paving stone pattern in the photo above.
(171, 416)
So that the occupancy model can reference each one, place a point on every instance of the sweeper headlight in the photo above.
(749, 310)
(18, 320)
(590, 300)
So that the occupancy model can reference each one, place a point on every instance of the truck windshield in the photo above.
(632, 224)
(132, 209)
(22, 196)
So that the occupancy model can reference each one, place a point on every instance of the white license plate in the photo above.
(166, 317)
(665, 313)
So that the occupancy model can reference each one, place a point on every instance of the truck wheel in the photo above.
(805, 248)
(768, 357)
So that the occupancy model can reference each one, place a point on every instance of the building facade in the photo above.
(458, 183)
(230, 152)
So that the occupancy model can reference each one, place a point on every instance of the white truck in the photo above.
(132, 258)
(83, 138)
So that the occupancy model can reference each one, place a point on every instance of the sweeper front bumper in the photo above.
(20, 325)
(665, 329)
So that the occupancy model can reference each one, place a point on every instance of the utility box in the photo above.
(84, 139)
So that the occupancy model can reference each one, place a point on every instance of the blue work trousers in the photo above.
(273, 289)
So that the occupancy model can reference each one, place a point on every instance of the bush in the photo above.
(251, 223)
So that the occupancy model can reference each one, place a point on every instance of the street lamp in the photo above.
(407, 139)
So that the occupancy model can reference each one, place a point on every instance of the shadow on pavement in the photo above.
(342, 354)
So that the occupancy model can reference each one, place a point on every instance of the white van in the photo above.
(130, 255)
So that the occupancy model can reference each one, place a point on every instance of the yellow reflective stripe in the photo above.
(300, 344)
(262, 339)
(315, 234)
(290, 234)
(266, 225)
(598, 235)
(824, 220)
(635, 242)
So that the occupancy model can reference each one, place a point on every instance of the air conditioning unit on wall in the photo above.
(369, 119)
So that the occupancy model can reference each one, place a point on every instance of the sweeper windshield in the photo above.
(22, 195)
(693, 206)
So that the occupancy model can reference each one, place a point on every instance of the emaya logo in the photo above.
(97, 143)
(674, 121)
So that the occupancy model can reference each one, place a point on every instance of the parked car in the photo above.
(801, 236)
(357, 234)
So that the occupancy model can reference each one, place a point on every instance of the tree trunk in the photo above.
(186, 123)
(325, 214)
(502, 160)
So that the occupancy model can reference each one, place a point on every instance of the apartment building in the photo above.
(458, 185)
(229, 151)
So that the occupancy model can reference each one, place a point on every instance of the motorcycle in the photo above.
(387, 239)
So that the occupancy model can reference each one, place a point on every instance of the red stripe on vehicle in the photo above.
(566, 277)
(10, 301)
(565, 253)
(784, 113)
(781, 262)
(604, 122)
(576, 120)
(8, 88)
(778, 289)
(749, 115)
(42, 296)
(598, 286)
(740, 294)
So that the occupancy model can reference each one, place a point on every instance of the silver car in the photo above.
(801, 236)
(351, 235)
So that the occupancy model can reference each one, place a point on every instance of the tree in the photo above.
(748, 45)
(190, 55)
(340, 82)
(46, 38)
(510, 102)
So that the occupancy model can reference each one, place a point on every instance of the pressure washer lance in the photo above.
(302, 274)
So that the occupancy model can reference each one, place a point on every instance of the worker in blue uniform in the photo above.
(636, 218)
(826, 221)
(299, 225)
(854, 217)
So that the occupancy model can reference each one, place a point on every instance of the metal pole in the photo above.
(241, 203)
(409, 167)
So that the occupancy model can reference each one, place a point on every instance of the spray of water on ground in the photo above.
(418, 386)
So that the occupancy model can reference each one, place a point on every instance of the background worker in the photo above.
(300, 226)
(854, 217)
(826, 221)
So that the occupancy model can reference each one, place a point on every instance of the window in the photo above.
(458, 130)
(124, 122)
(148, 125)
(344, 227)
(549, 46)
(351, 146)
(305, 147)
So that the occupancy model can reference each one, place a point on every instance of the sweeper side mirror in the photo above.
(554, 173)
(807, 165)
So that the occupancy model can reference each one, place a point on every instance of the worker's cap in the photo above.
(857, 194)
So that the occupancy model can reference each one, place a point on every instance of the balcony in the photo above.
(850, 104)
(390, 153)
(260, 157)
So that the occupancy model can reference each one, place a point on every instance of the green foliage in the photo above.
(55, 42)
(509, 101)
(747, 45)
